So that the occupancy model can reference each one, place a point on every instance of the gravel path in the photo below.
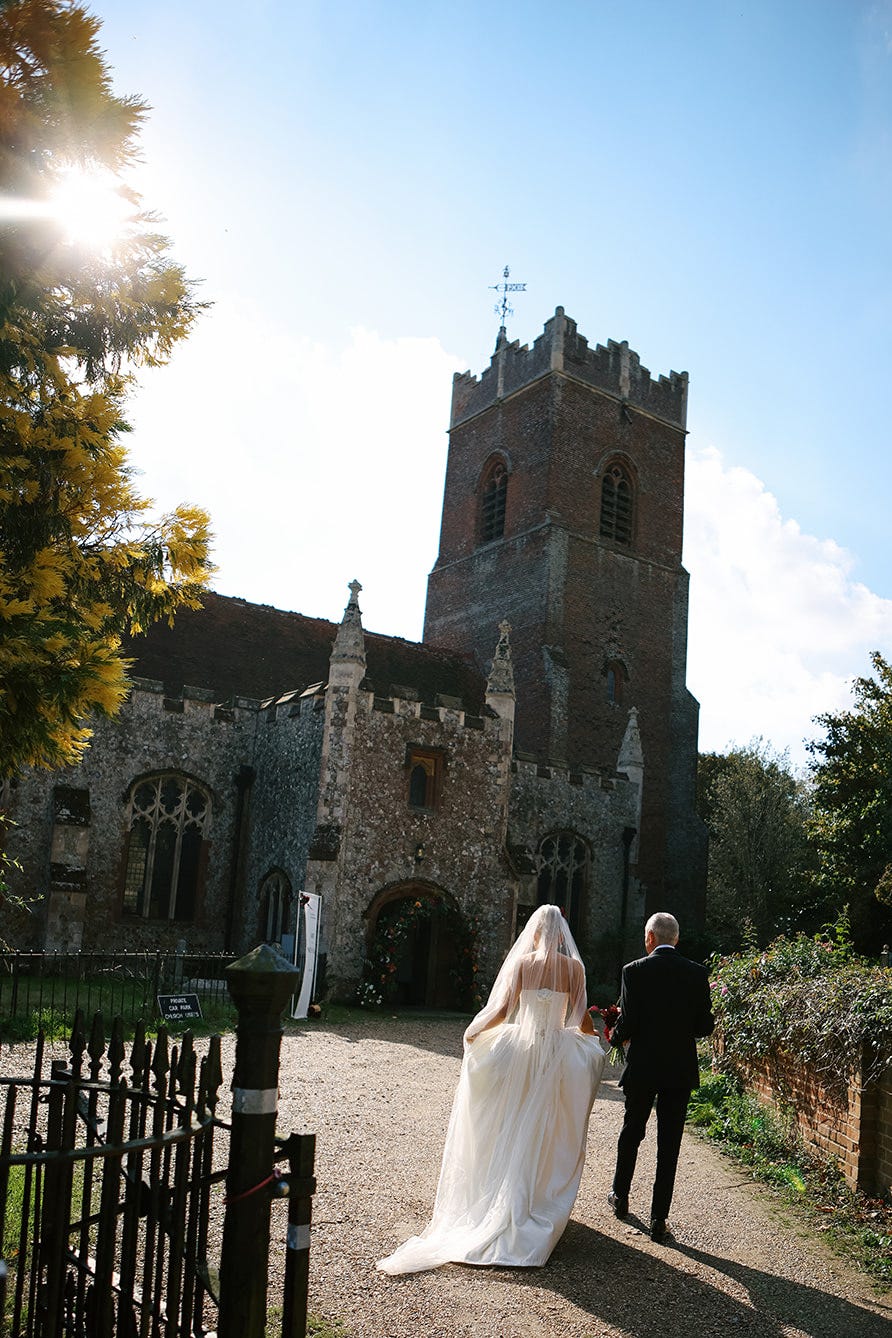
(377, 1094)
(378, 1097)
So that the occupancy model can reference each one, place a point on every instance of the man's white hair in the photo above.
(663, 926)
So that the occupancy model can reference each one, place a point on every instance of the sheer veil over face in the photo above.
(543, 957)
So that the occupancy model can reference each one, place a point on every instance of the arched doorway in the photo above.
(417, 947)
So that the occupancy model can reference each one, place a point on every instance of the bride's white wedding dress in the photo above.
(516, 1142)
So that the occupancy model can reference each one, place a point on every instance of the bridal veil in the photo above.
(515, 1145)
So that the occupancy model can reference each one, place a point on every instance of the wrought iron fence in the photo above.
(43, 990)
(113, 1218)
(105, 1211)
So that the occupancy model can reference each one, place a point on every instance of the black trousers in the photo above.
(672, 1105)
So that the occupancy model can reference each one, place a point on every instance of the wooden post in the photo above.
(260, 984)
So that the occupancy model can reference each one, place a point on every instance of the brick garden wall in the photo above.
(883, 1144)
(854, 1128)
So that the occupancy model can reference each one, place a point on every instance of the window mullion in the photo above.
(175, 871)
(150, 871)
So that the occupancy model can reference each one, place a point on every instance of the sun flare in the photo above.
(91, 206)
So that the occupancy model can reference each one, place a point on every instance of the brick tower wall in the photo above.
(577, 602)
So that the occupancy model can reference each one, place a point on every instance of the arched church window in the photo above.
(616, 505)
(168, 818)
(275, 907)
(425, 767)
(562, 861)
(492, 502)
(616, 676)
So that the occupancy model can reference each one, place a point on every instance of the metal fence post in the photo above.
(300, 1150)
(180, 952)
(260, 983)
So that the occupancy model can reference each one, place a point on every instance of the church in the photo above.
(538, 745)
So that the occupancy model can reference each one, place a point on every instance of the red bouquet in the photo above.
(609, 1014)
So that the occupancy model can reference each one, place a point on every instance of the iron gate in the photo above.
(113, 1198)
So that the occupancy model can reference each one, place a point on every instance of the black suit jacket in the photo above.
(665, 1005)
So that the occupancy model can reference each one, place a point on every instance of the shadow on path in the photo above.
(643, 1292)
(829, 1316)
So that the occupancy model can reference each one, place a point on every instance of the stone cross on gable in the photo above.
(350, 641)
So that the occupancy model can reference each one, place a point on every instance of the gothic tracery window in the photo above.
(168, 818)
(616, 505)
(562, 861)
(492, 502)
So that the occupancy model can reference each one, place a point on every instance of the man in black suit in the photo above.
(664, 1006)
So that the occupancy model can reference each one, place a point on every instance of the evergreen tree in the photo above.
(852, 828)
(81, 562)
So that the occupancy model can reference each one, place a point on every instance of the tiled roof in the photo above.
(235, 648)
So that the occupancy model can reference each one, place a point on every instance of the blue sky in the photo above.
(710, 181)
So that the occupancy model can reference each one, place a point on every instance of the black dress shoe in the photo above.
(659, 1231)
(619, 1205)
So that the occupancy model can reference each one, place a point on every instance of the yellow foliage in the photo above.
(82, 561)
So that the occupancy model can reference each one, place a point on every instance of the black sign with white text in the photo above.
(175, 1007)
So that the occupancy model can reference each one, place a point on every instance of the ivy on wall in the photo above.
(811, 997)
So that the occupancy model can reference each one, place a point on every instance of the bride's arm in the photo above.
(577, 983)
(499, 1016)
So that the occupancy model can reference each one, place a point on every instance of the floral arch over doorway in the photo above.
(420, 950)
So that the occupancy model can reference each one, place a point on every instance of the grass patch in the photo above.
(858, 1226)
(317, 1325)
(11, 1227)
(218, 1016)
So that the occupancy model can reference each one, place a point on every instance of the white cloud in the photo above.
(778, 625)
(318, 464)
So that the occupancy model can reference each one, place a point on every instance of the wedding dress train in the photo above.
(515, 1146)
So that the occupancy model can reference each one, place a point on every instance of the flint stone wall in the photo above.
(597, 806)
(462, 838)
(189, 735)
(282, 817)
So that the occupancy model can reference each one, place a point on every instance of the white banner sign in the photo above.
(306, 944)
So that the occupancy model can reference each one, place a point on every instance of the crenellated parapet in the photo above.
(443, 710)
(586, 778)
(150, 695)
(192, 700)
(613, 368)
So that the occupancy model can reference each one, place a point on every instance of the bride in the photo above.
(516, 1140)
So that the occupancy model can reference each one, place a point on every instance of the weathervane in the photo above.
(504, 308)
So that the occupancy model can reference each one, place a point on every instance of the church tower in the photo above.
(562, 514)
